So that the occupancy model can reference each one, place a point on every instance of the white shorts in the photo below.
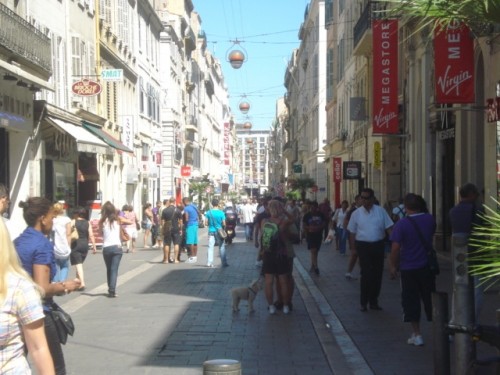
(132, 232)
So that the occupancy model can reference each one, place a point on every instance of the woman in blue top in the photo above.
(36, 253)
(409, 257)
(216, 219)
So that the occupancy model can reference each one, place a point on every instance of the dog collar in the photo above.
(253, 291)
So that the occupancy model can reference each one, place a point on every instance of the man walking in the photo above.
(171, 223)
(216, 219)
(191, 215)
(247, 215)
(368, 227)
(314, 224)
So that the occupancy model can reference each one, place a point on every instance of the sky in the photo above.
(267, 30)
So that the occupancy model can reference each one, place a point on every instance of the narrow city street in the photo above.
(170, 318)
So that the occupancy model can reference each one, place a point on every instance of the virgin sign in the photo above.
(86, 87)
(454, 64)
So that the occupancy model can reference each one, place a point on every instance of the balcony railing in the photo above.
(372, 10)
(23, 39)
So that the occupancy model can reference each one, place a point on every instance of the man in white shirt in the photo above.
(368, 227)
(247, 216)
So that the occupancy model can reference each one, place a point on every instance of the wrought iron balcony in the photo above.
(362, 35)
(26, 44)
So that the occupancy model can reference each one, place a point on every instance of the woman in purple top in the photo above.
(409, 257)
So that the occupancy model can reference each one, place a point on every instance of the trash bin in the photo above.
(221, 367)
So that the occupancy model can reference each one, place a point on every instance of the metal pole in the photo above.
(463, 303)
(441, 353)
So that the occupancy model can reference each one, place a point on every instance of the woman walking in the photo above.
(131, 229)
(62, 237)
(410, 238)
(147, 223)
(80, 247)
(112, 251)
(36, 253)
(21, 316)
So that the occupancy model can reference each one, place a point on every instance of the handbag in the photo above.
(62, 321)
(124, 236)
(137, 225)
(432, 260)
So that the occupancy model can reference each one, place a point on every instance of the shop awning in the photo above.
(106, 137)
(85, 141)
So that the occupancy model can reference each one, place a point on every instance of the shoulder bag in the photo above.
(431, 252)
(220, 231)
(62, 321)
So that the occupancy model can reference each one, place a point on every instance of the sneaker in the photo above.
(192, 260)
(349, 276)
(272, 309)
(210, 265)
(416, 340)
(286, 310)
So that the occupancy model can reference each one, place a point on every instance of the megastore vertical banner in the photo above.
(337, 169)
(454, 64)
(227, 131)
(385, 76)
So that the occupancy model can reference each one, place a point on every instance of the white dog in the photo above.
(247, 293)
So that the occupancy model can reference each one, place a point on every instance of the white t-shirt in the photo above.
(61, 246)
(111, 234)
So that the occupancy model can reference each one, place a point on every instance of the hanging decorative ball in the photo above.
(247, 125)
(244, 107)
(236, 58)
(249, 140)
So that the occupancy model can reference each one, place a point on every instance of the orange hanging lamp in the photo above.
(236, 57)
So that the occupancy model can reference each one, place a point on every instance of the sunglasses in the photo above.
(365, 197)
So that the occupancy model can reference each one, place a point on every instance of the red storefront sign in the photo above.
(454, 64)
(337, 169)
(186, 171)
(86, 87)
(385, 76)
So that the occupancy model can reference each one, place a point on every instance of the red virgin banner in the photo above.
(454, 64)
(337, 169)
(385, 76)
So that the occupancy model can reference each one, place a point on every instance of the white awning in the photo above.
(85, 141)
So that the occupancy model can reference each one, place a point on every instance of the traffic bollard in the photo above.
(221, 367)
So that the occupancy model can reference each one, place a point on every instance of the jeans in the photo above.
(249, 231)
(222, 250)
(62, 269)
(342, 233)
(55, 347)
(112, 257)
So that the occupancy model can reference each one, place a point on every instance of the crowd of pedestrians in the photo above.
(35, 266)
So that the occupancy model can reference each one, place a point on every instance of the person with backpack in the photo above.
(274, 244)
(314, 223)
(399, 211)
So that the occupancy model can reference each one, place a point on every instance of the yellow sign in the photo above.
(377, 155)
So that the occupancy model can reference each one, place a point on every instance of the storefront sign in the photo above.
(352, 170)
(112, 75)
(86, 87)
(337, 169)
(385, 76)
(454, 64)
(186, 171)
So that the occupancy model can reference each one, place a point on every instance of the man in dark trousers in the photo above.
(368, 227)
(171, 224)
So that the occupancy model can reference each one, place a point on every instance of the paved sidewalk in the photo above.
(171, 318)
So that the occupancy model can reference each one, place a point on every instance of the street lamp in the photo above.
(236, 57)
